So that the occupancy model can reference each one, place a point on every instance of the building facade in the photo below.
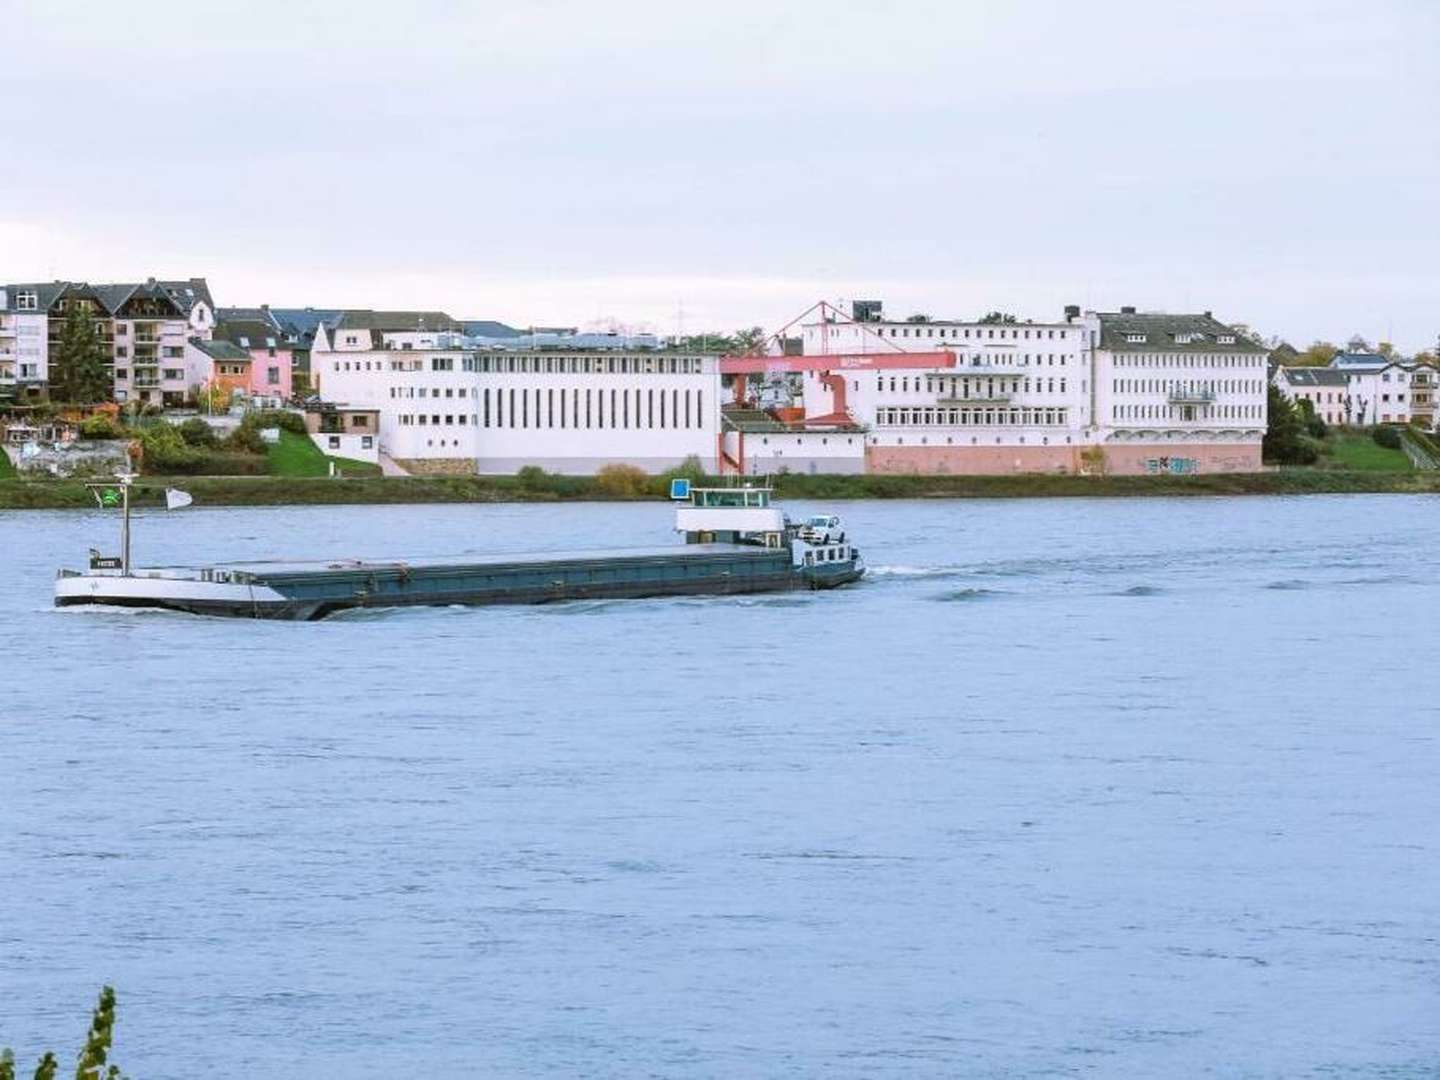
(1122, 392)
(1360, 388)
(447, 407)
(143, 330)
(259, 334)
(1325, 389)
(1176, 393)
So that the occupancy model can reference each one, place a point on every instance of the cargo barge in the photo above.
(736, 541)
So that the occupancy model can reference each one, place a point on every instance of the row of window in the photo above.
(1185, 412)
(537, 365)
(985, 417)
(957, 386)
(1186, 360)
(571, 408)
(987, 333)
(1161, 386)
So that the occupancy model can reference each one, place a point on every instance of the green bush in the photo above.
(623, 481)
(533, 478)
(690, 469)
(166, 452)
(245, 439)
(101, 426)
(224, 463)
(1387, 437)
(196, 432)
(278, 418)
(1316, 428)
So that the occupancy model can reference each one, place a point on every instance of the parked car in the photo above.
(823, 529)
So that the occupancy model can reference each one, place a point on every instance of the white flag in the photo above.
(175, 499)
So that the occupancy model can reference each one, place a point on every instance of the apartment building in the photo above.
(259, 334)
(1361, 387)
(144, 331)
(1177, 393)
(1326, 390)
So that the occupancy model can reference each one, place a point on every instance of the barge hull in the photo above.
(301, 593)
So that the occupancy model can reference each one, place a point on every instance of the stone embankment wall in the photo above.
(87, 457)
(437, 466)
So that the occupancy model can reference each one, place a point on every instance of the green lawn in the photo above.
(297, 455)
(1361, 452)
(6, 469)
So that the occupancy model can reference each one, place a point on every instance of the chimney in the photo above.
(1129, 309)
(1072, 312)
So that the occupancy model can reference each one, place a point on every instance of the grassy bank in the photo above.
(302, 491)
(1360, 452)
(297, 455)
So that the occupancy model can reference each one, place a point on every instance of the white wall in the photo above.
(506, 419)
(354, 446)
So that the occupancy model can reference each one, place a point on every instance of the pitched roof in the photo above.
(1170, 333)
(220, 349)
(249, 333)
(46, 293)
(489, 328)
(302, 322)
(1360, 359)
(394, 321)
(246, 314)
(1312, 376)
(186, 293)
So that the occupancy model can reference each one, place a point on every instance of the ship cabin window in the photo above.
(731, 497)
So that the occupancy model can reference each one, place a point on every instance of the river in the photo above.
(1130, 788)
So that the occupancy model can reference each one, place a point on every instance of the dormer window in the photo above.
(1135, 339)
(27, 301)
(244, 342)
(1226, 339)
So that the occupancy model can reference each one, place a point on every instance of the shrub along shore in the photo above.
(16, 494)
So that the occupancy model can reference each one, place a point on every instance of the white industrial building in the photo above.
(445, 407)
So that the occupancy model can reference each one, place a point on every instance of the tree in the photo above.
(1285, 442)
(213, 397)
(998, 318)
(92, 1058)
(1386, 349)
(1310, 420)
(918, 317)
(98, 1041)
(750, 340)
(1319, 354)
(77, 373)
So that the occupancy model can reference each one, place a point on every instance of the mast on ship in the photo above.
(105, 496)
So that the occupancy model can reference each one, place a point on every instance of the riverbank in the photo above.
(18, 494)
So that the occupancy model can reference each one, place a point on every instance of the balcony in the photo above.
(146, 383)
(998, 366)
(972, 402)
(1192, 397)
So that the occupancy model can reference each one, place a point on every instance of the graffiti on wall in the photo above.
(1173, 465)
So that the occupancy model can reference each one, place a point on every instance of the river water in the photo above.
(1069, 787)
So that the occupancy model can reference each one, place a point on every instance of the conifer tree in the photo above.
(77, 373)
(97, 1042)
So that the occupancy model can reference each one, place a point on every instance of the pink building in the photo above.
(272, 362)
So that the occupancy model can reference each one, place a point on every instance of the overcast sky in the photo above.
(560, 162)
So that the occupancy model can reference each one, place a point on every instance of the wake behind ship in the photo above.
(736, 541)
